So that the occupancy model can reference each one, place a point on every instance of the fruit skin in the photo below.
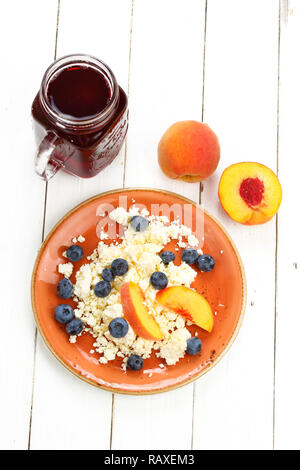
(75, 253)
(118, 327)
(119, 267)
(189, 256)
(139, 223)
(206, 263)
(136, 313)
(64, 288)
(107, 275)
(167, 257)
(102, 289)
(193, 346)
(189, 304)
(159, 280)
(234, 204)
(64, 313)
(74, 327)
(135, 362)
(189, 150)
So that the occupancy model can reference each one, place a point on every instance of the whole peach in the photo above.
(189, 150)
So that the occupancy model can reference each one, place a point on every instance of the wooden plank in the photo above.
(165, 86)
(234, 402)
(287, 390)
(101, 29)
(23, 59)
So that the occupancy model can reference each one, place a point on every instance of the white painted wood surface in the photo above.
(168, 55)
(287, 378)
(22, 200)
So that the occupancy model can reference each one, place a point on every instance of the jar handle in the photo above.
(46, 165)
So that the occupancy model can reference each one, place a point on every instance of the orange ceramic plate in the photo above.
(224, 288)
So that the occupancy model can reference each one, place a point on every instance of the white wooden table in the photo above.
(234, 64)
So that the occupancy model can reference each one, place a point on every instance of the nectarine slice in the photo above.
(189, 304)
(136, 313)
(250, 193)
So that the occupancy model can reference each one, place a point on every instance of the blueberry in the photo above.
(167, 257)
(64, 288)
(159, 280)
(206, 263)
(107, 275)
(119, 267)
(139, 223)
(74, 327)
(75, 253)
(189, 256)
(194, 346)
(64, 313)
(102, 289)
(118, 327)
(135, 362)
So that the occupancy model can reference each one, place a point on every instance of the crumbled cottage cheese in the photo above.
(79, 239)
(120, 215)
(66, 269)
(141, 251)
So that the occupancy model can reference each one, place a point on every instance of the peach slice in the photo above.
(250, 193)
(136, 313)
(189, 304)
(189, 150)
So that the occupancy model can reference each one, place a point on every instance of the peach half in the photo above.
(136, 313)
(189, 304)
(189, 150)
(250, 193)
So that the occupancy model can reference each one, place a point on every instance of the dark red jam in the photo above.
(79, 92)
(80, 116)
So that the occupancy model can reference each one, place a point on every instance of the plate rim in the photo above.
(167, 388)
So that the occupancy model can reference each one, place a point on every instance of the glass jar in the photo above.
(80, 117)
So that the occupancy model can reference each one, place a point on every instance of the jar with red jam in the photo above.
(80, 117)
